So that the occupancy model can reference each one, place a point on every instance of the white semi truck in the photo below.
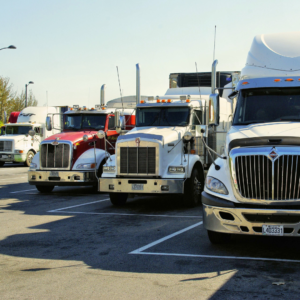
(164, 154)
(256, 190)
(17, 145)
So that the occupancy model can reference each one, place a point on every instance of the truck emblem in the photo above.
(55, 143)
(273, 154)
(137, 141)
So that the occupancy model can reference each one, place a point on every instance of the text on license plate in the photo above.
(272, 229)
(54, 173)
(137, 187)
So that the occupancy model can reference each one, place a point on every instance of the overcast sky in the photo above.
(69, 48)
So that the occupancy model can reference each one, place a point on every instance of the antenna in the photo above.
(215, 42)
(198, 80)
(120, 88)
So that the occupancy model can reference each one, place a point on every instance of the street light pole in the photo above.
(30, 82)
(9, 47)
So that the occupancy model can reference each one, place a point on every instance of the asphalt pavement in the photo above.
(73, 244)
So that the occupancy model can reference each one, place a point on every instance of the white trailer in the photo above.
(164, 154)
(17, 145)
(256, 191)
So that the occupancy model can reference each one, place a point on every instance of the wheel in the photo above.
(29, 158)
(118, 199)
(45, 188)
(193, 188)
(2, 163)
(218, 237)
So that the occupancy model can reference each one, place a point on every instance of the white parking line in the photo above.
(56, 210)
(140, 250)
(22, 191)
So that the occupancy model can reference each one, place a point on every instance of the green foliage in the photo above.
(10, 101)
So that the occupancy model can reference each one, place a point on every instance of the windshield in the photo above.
(267, 105)
(165, 116)
(84, 121)
(2, 131)
(17, 129)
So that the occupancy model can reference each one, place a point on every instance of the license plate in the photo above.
(137, 187)
(54, 173)
(272, 230)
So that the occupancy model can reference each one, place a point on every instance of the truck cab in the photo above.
(16, 145)
(75, 156)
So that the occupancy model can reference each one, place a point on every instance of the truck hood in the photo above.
(288, 129)
(168, 134)
(70, 136)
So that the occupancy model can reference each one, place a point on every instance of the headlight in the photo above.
(19, 151)
(86, 166)
(33, 166)
(176, 169)
(109, 169)
(215, 185)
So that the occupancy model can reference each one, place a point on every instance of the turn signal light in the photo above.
(103, 108)
(193, 151)
(276, 80)
(158, 101)
(142, 101)
(163, 101)
(188, 100)
(289, 79)
(169, 100)
(245, 82)
(71, 108)
(93, 166)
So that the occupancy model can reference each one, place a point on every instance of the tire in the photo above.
(118, 199)
(45, 188)
(218, 237)
(193, 188)
(29, 158)
(2, 164)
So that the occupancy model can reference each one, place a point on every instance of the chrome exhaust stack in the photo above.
(102, 95)
(138, 84)
(214, 76)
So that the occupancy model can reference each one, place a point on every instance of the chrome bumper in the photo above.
(216, 219)
(66, 178)
(150, 186)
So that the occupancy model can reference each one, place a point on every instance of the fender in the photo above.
(36, 160)
(193, 160)
(89, 157)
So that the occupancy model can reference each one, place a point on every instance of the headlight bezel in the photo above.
(176, 170)
(219, 189)
(86, 166)
(33, 165)
(108, 169)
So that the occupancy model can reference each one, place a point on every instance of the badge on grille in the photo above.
(137, 141)
(55, 143)
(273, 154)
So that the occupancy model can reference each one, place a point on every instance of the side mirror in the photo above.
(214, 109)
(31, 132)
(119, 121)
(233, 95)
(48, 123)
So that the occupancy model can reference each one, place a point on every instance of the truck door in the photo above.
(112, 135)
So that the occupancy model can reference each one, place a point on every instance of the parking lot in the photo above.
(72, 243)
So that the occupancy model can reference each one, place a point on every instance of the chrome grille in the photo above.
(137, 160)
(6, 146)
(258, 177)
(55, 156)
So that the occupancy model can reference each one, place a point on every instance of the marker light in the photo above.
(92, 108)
(289, 79)
(245, 82)
(276, 80)
(71, 108)
(193, 151)
(163, 101)
(158, 101)
(103, 108)
(84, 108)
(169, 100)
(142, 101)
(188, 100)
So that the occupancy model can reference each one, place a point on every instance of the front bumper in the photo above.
(61, 178)
(218, 215)
(150, 186)
(9, 157)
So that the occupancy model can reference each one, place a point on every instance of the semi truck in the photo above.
(165, 154)
(75, 156)
(16, 145)
(13, 117)
(256, 189)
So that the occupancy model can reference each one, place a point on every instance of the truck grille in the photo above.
(55, 156)
(137, 160)
(6, 146)
(258, 177)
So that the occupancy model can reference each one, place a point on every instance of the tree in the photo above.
(18, 102)
(6, 95)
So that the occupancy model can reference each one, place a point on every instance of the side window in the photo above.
(197, 119)
(37, 130)
(111, 123)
